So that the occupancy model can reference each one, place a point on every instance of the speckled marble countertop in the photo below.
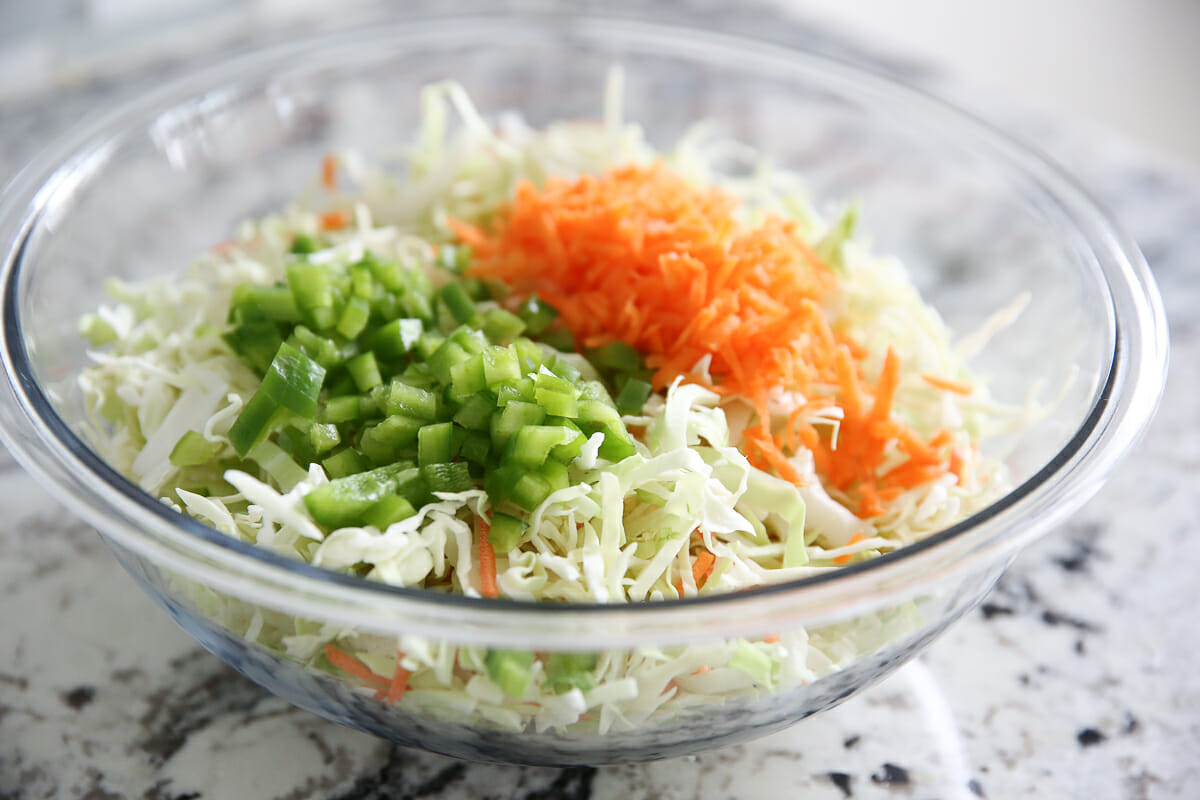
(1077, 677)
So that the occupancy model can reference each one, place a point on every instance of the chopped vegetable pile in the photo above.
(547, 365)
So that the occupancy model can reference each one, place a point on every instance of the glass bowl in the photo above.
(977, 219)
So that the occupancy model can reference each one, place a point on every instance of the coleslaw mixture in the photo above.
(788, 405)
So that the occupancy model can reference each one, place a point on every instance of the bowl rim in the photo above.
(1121, 407)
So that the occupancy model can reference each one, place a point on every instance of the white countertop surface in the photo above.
(1076, 678)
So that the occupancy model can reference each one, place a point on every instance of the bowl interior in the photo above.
(175, 174)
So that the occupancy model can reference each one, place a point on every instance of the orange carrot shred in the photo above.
(871, 504)
(848, 380)
(940, 439)
(842, 559)
(702, 567)
(958, 387)
(399, 683)
(956, 464)
(885, 390)
(763, 452)
(771, 638)
(348, 663)
(487, 562)
(333, 220)
(329, 165)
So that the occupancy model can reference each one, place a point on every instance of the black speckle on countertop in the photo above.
(1131, 723)
(18, 681)
(892, 775)
(1018, 598)
(179, 711)
(390, 782)
(991, 610)
(1082, 552)
(1089, 736)
(851, 741)
(1055, 618)
(445, 777)
(98, 792)
(78, 697)
(842, 780)
(572, 783)
(1011, 597)
(128, 674)
(160, 791)
(16, 778)
(975, 788)
(405, 775)
(376, 786)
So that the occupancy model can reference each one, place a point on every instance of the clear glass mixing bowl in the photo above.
(976, 218)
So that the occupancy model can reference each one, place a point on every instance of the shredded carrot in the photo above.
(956, 464)
(791, 436)
(637, 254)
(940, 439)
(329, 165)
(915, 448)
(847, 378)
(763, 452)
(399, 683)
(885, 390)
(702, 567)
(333, 220)
(913, 473)
(771, 638)
(640, 255)
(958, 387)
(871, 504)
(842, 559)
(348, 663)
(860, 445)
(487, 561)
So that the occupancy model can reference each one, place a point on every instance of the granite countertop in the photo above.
(1076, 677)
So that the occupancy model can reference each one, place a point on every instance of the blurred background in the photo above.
(1129, 66)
